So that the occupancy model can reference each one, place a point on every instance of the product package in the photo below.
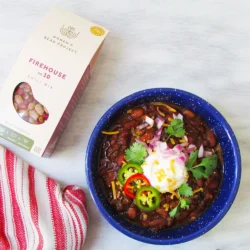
(51, 73)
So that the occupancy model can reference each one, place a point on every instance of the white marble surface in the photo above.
(202, 46)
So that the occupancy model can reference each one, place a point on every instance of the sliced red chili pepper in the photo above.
(135, 182)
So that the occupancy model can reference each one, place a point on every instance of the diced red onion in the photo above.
(178, 148)
(149, 150)
(142, 126)
(160, 121)
(191, 148)
(184, 144)
(156, 138)
(181, 159)
(160, 145)
(150, 121)
(201, 151)
(179, 116)
(208, 153)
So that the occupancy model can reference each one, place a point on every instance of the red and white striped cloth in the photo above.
(35, 212)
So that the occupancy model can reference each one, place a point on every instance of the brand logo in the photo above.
(97, 31)
(69, 32)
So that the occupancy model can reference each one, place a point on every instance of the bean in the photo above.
(39, 109)
(157, 223)
(162, 212)
(18, 99)
(196, 122)
(33, 114)
(132, 212)
(120, 159)
(31, 106)
(22, 112)
(189, 114)
(208, 196)
(211, 138)
(23, 106)
(40, 119)
(200, 182)
(31, 120)
(130, 124)
(170, 221)
(137, 113)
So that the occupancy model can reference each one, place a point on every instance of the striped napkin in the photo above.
(35, 211)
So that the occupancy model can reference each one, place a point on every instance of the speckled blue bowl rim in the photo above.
(228, 203)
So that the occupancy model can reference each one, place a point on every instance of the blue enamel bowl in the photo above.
(231, 168)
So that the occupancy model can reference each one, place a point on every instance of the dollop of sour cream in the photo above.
(165, 170)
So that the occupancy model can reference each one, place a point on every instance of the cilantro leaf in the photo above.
(209, 163)
(198, 173)
(175, 129)
(136, 153)
(185, 190)
(175, 212)
(192, 159)
(184, 203)
(203, 169)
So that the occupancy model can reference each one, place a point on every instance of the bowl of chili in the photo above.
(151, 135)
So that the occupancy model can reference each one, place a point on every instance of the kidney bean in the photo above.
(157, 223)
(130, 124)
(200, 182)
(211, 138)
(137, 113)
(196, 121)
(189, 114)
(126, 200)
(162, 212)
(120, 159)
(183, 215)
(193, 215)
(131, 212)
(208, 196)
(170, 222)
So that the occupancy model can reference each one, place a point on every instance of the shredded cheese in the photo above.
(166, 206)
(110, 133)
(124, 163)
(182, 140)
(129, 111)
(170, 119)
(174, 194)
(166, 125)
(165, 105)
(161, 113)
(172, 165)
(198, 190)
(113, 189)
(172, 141)
(149, 127)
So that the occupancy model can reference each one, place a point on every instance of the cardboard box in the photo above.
(49, 77)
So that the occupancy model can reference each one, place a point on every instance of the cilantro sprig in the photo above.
(136, 153)
(184, 191)
(203, 169)
(175, 129)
